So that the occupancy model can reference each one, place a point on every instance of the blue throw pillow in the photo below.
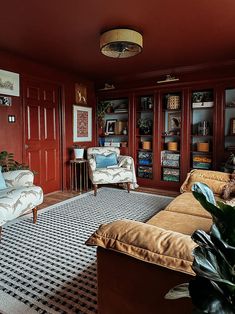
(2, 180)
(103, 161)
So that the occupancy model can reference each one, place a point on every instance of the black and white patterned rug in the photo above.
(47, 268)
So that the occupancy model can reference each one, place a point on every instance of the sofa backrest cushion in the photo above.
(2, 180)
(148, 243)
(216, 180)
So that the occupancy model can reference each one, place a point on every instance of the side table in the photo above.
(79, 174)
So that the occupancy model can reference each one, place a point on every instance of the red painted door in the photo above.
(42, 144)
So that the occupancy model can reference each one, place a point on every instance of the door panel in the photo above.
(33, 122)
(50, 123)
(42, 133)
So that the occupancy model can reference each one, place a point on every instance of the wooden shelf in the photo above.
(210, 136)
(202, 153)
(114, 135)
(172, 110)
(171, 151)
(172, 167)
(145, 110)
(144, 150)
(141, 165)
(203, 108)
(178, 136)
(146, 135)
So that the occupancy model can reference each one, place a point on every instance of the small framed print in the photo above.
(110, 126)
(174, 121)
(80, 94)
(82, 124)
(232, 126)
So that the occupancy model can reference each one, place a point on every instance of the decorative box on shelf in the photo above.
(113, 144)
(145, 172)
(202, 162)
(170, 159)
(170, 174)
(145, 158)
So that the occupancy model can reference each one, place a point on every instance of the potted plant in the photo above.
(213, 288)
(145, 125)
(8, 163)
(78, 151)
(102, 108)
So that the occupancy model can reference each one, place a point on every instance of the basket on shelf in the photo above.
(173, 102)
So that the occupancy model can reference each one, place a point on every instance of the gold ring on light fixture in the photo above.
(121, 43)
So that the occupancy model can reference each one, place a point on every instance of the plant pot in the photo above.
(78, 153)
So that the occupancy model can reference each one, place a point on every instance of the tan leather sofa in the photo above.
(139, 262)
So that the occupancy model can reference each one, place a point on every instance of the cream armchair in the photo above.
(19, 197)
(122, 172)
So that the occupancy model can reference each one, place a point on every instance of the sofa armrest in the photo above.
(148, 243)
(125, 161)
(18, 178)
(92, 163)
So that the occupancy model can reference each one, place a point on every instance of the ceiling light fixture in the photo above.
(121, 43)
(169, 78)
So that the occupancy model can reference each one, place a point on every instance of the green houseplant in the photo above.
(145, 125)
(213, 288)
(8, 163)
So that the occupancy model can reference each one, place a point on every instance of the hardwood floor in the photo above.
(56, 197)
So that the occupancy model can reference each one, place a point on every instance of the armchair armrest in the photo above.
(18, 178)
(148, 243)
(125, 162)
(92, 163)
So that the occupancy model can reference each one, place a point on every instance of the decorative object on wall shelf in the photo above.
(110, 126)
(145, 126)
(80, 94)
(174, 122)
(203, 147)
(5, 101)
(203, 128)
(202, 99)
(9, 83)
(78, 151)
(173, 102)
(82, 124)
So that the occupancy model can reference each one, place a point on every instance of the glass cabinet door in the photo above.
(144, 136)
(229, 129)
(202, 112)
(171, 137)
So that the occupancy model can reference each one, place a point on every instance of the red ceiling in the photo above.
(65, 34)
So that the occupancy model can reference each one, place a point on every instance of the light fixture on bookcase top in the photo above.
(121, 43)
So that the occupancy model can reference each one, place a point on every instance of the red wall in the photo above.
(11, 134)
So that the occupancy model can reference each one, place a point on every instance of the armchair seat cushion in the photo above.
(111, 175)
(17, 201)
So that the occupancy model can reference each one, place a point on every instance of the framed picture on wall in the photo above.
(110, 126)
(174, 121)
(9, 83)
(80, 94)
(82, 124)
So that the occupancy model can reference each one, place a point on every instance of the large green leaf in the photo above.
(208, 299)
(180, 291)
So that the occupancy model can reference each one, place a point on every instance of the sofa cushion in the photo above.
(180, 222)
(148, 243)
(214, 179)
(186, 203)
(103, 161)
(2, 180)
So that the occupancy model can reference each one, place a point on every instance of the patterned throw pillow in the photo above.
(2, 180)
(103, 161)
